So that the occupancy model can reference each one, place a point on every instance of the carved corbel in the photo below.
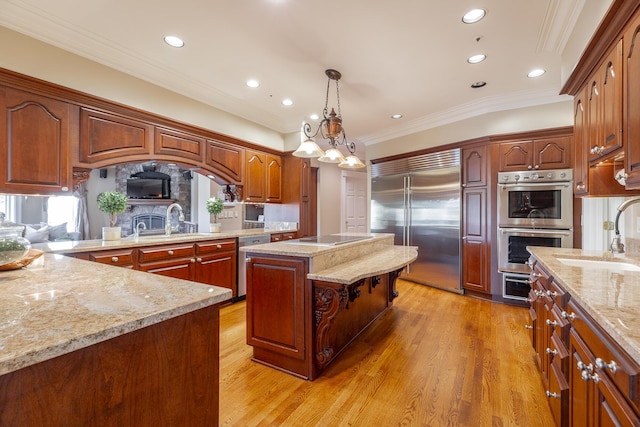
(393, 276)
(328, 303)
(80, 175)
(354, 292)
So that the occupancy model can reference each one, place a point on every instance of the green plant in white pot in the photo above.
(215, 207)
(112, 203)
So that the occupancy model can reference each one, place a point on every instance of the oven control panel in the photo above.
(552, 175)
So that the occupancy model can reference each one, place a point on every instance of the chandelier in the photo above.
(330, 128)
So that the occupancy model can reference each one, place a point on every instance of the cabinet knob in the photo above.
(566, 315)
(553, 395)
(290, 237)
(550, 351)
(199, 259)
(551, 322)
(552, 293)
(170, 252)
(192, 260)
(529, 167)
(582, 367)
(528, 327)
(267, 200)
(612, 366)
(580, 186)
(114, 259)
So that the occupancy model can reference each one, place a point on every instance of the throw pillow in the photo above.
(58, 232)
(36, 236)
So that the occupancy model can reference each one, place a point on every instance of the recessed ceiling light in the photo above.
(396, 116)
(477, 85)
(474, 15)
(174, 41)
(314, 117)
(287, 102)
(476, 58)
(253, 83)
(536, 72)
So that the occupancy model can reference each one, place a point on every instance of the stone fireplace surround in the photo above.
(180, 193)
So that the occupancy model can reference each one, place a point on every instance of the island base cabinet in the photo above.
(163, 374)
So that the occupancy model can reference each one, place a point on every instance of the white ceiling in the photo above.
(402, 56)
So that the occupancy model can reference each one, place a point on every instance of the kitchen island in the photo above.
(307, 299)
(83, 343)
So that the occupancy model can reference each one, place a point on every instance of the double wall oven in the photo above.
(535, 208)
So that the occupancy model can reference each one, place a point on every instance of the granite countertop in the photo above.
(68, 247)
(611, 295)
(59, 304)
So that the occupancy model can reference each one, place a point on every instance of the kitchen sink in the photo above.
(599, 264)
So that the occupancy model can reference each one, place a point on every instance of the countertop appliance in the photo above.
(418, 200)
(242, 256)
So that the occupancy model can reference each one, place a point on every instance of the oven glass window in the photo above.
(534, 204)
(517, 247)
(516, 287)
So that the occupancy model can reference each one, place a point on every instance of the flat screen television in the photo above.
(148, 188)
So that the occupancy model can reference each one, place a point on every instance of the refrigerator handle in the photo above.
(405, 202)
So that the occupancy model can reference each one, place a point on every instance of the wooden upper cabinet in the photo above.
(255, 175)
(263, 176)
(580, 145)
(36, 137)
(550, 153)
(226, 158)
(605, 107)
(177, 144)
(631, 103)
(474, 167)
(273, 179)
(106, 136)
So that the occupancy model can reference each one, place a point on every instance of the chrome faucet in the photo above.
(616, 245)
(167, 227)
(136, 234)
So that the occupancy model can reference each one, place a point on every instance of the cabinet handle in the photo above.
(580, 186)
(536, 167)
(114, 259)
(582, 367)
(193, 260)
(199, 259)
(552, 322)
(170, 252)
(290, 237)
(247, 260)
(528, 327)
(553, 395)
(550, 351)
(586, 377)
(267, 200)
(566, 315)
(464, 185)
(552, 293)
(612, 366)
(219, 246)
(535, 275)
(538, 293)
(529, 167)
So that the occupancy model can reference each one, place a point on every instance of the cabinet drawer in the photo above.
(539, 275)
(215, 246)
(120, 258)
(626, 375)
(155, 253)
(559, 354)
(560, 297)
(558, 395)
(278, 237)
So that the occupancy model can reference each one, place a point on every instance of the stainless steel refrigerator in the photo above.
(418, 199)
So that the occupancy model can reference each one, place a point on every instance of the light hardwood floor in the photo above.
(434, 359)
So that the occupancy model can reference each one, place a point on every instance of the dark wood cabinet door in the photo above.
(612, 101)
(183, 268)
(178, 145)
(516, 156)
(580, 145)
(580, 410)
(226, 158)
(276, 295)
(631, 104)
(218, 270)
(35, 142)
(474, 167)
(273, 179)
(553, 153)
(105, 136)
(475, 264)
(255, 186)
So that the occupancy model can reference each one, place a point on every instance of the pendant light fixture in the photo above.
(329, 128)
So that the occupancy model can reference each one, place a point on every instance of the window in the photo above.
(62, 209)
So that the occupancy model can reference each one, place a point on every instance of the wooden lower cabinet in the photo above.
(213, 262)
(141, 378)
(300, 326)
(279, 237)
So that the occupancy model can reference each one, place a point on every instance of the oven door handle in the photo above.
(536, 184)
(535, 231)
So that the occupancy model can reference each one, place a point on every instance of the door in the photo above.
(354, 209)
(434, 212)
(388, 206)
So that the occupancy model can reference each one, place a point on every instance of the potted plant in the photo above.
(112, 203)
(215, 207)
